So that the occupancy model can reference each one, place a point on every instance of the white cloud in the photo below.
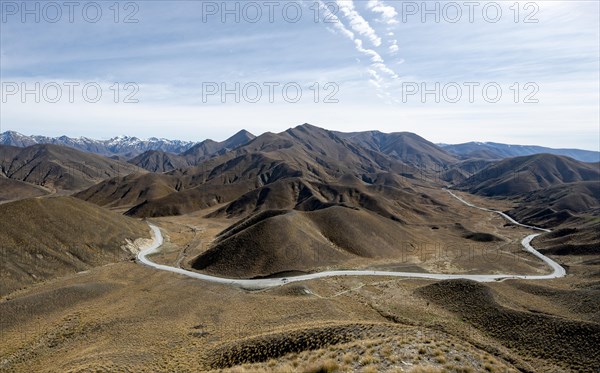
(388, 13)
(375, 57)
(357, 23)
(339, 26)
(377, 62)
(382, 67)
(388, 16)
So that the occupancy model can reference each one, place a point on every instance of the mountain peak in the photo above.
(114, 146)
(242, 134)
(10, 132)
(240, 138)
(308, 126)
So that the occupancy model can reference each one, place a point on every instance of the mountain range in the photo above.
(493, 150)
(121, 145)
(305, 168)
(277, 205)
(59, 167)
(302, 167)
(395, 144)
(163, 161)
(308, 168)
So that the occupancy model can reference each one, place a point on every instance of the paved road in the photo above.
(558, 271)
(497, 212)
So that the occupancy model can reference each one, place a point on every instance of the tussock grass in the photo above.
(572, 344)
(377, 350)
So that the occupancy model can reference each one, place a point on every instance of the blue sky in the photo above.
(370, 52)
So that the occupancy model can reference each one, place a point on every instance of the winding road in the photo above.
(256, 284)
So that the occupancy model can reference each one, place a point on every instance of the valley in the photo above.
(304, 251)
(257, 284)
(305, 186)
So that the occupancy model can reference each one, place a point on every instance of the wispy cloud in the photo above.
(388, 13)
(388, 16)
(357, 23)
(375, 57)
(377, 69)
(170, 53)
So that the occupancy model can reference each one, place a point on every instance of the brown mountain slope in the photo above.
(296, 193)
(224, 183)
(159, 161)
(461, 171)
(319, 153)
(309, 152)
(215, 181)
(276, 241)
(405, 146)
(521, 175)
(389, 179)
(260, 168)
(576, 197)
(59, 167)
(43, 238)
(279, 186)
(324, 153)
(188, 200)
(207, 148)
(7, 154)
(556, 204)
(130, 190)
(570, 343)
(578, 236)
(14, 189)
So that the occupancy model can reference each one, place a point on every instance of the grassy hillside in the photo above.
(573, 344)
(15, 189)
(405, 146)
(159, 161)
(296, 193)
(282, 241)
(309, 152)
(43, 238)
(522, 175)
(59, 167)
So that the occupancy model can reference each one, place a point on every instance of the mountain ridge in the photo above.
(520, 175)
(406, 146)
(132, 146)
(58, 166)
(494, 150)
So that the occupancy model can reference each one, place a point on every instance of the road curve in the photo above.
(256, 284)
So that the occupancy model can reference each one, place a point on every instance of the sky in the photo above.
(452, 72)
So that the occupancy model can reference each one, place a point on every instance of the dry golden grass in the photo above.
(45, 238)
(393, 353)
(126, 317)
(280, 241)
(570, 343)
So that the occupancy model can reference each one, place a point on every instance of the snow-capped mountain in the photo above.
(120, 145)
